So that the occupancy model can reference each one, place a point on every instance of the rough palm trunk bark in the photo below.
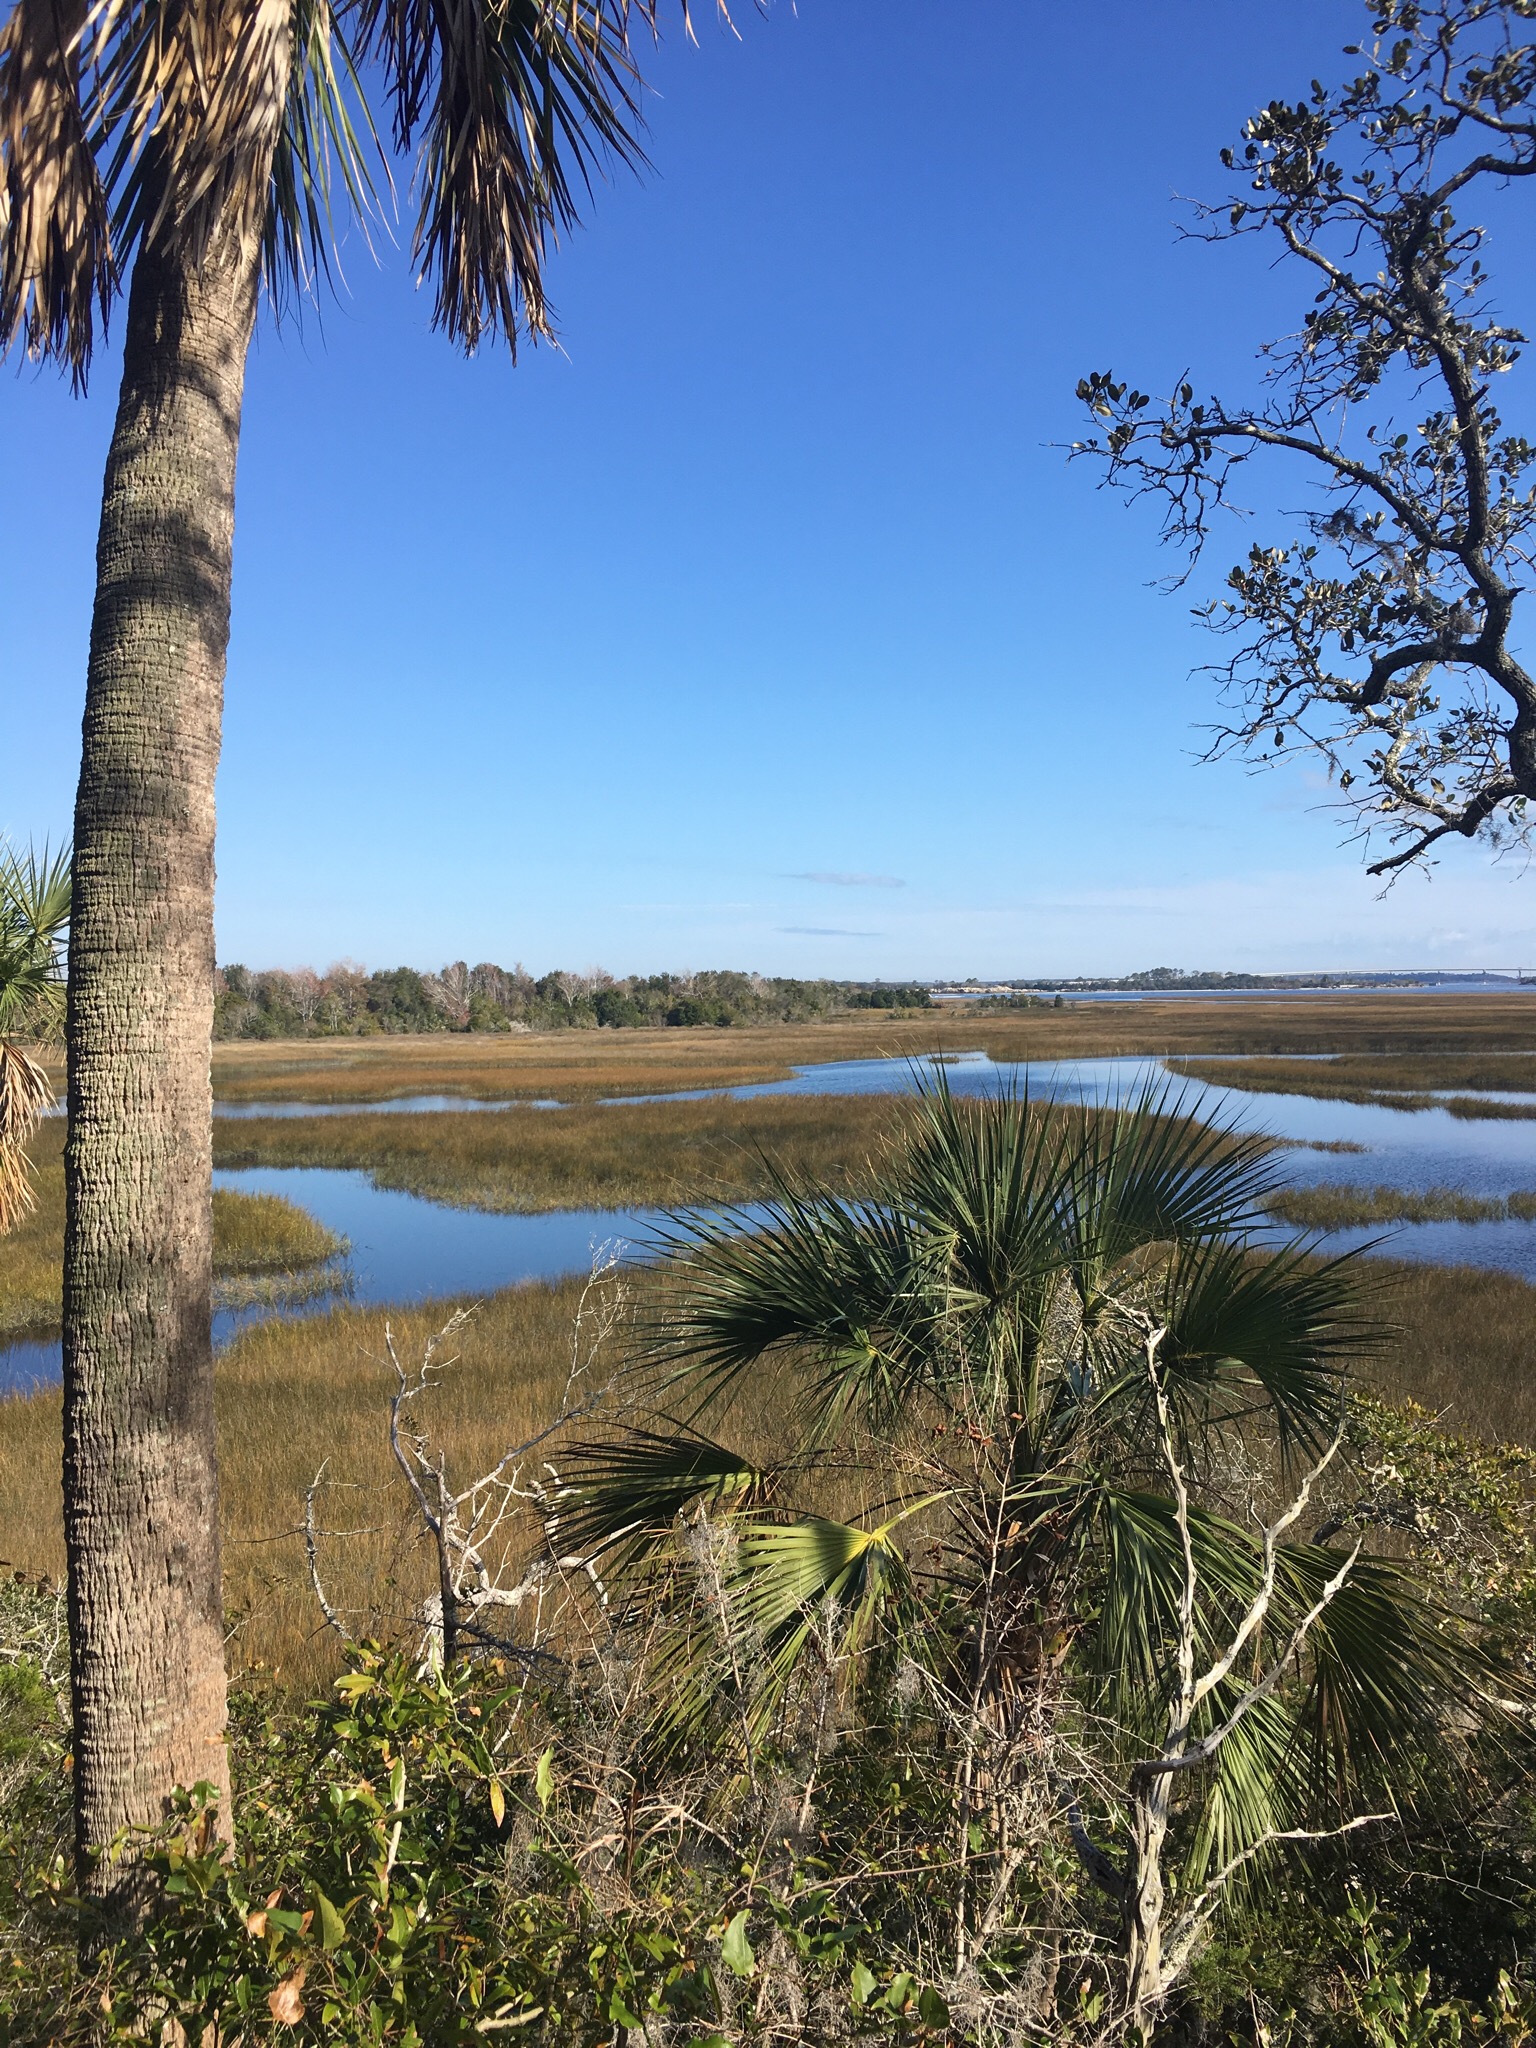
(141, 1483)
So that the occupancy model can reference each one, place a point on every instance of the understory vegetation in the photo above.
(774, 1684)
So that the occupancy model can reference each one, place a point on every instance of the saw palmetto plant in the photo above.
(34, 915)
(963, 1354)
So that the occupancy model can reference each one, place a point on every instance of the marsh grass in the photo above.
(593, 1157)
(1464, 1343)
(580, 1066)
(296, 1395)
(254, 1236)
(1406, 1082)
(1347, 1208)
(265, 1234)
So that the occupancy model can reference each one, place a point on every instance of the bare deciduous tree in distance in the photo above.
(1384, 639)
(185, 151)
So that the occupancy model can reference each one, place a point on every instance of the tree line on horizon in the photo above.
(347, 1001)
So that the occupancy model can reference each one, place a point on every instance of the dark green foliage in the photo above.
(414, 1868)
(344, 1001)
(888, 996)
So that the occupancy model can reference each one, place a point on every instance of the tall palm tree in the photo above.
(34, 916)
(966, 1348)
(185, 152)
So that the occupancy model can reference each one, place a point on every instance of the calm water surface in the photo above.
(405, 1248)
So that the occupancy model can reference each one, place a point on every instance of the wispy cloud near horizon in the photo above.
(826, 931)
(841, 881)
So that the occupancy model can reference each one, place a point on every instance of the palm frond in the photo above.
(847, 1288)
(57, 272)
(25, 1095)
(1381, 1662)
(1150, 1174)
(35, 893)
(516, 102)
(192, 100)
(627, 1493)
(787, 1591)
(1284, 1325)
(326, 130)
(988, 1176)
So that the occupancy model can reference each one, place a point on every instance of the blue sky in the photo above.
(763, 623)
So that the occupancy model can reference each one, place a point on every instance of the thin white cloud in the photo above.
(841, 881)
(827, 931)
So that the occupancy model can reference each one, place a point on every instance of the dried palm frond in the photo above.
(191, 124)
(25, 1096)
(514, 99)
(55, 244)
(194, 95)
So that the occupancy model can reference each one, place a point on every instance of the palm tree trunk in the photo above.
(140, 1473)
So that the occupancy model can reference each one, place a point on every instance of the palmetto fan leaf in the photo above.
(34, 913)
(1151, 1174)
(624, 1493)
(850, 1289)
(771, 1595)
(1282, 1327)
(1381, 1663)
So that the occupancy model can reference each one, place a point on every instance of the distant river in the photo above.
(405, 1248)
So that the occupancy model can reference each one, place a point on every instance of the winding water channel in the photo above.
(405, 1248)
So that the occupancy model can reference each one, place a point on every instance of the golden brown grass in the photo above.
(594, 1157)
(1411, 1081)
(582, 1065)
(292, 1394)
(1339, 1207)
(252, 1234)
(1464, 1342)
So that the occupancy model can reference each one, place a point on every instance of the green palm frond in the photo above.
(1284, 1326)
(34, 916)
(782, 1595)
(1381, 1663)
(986, 1177)
(1150, 1174)
(851, 1290)
(35, 890)
(626, 1494)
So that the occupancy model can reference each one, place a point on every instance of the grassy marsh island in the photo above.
(594, 1156)
(1407, 1081)
(260, 1242)
(1338, 1206)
